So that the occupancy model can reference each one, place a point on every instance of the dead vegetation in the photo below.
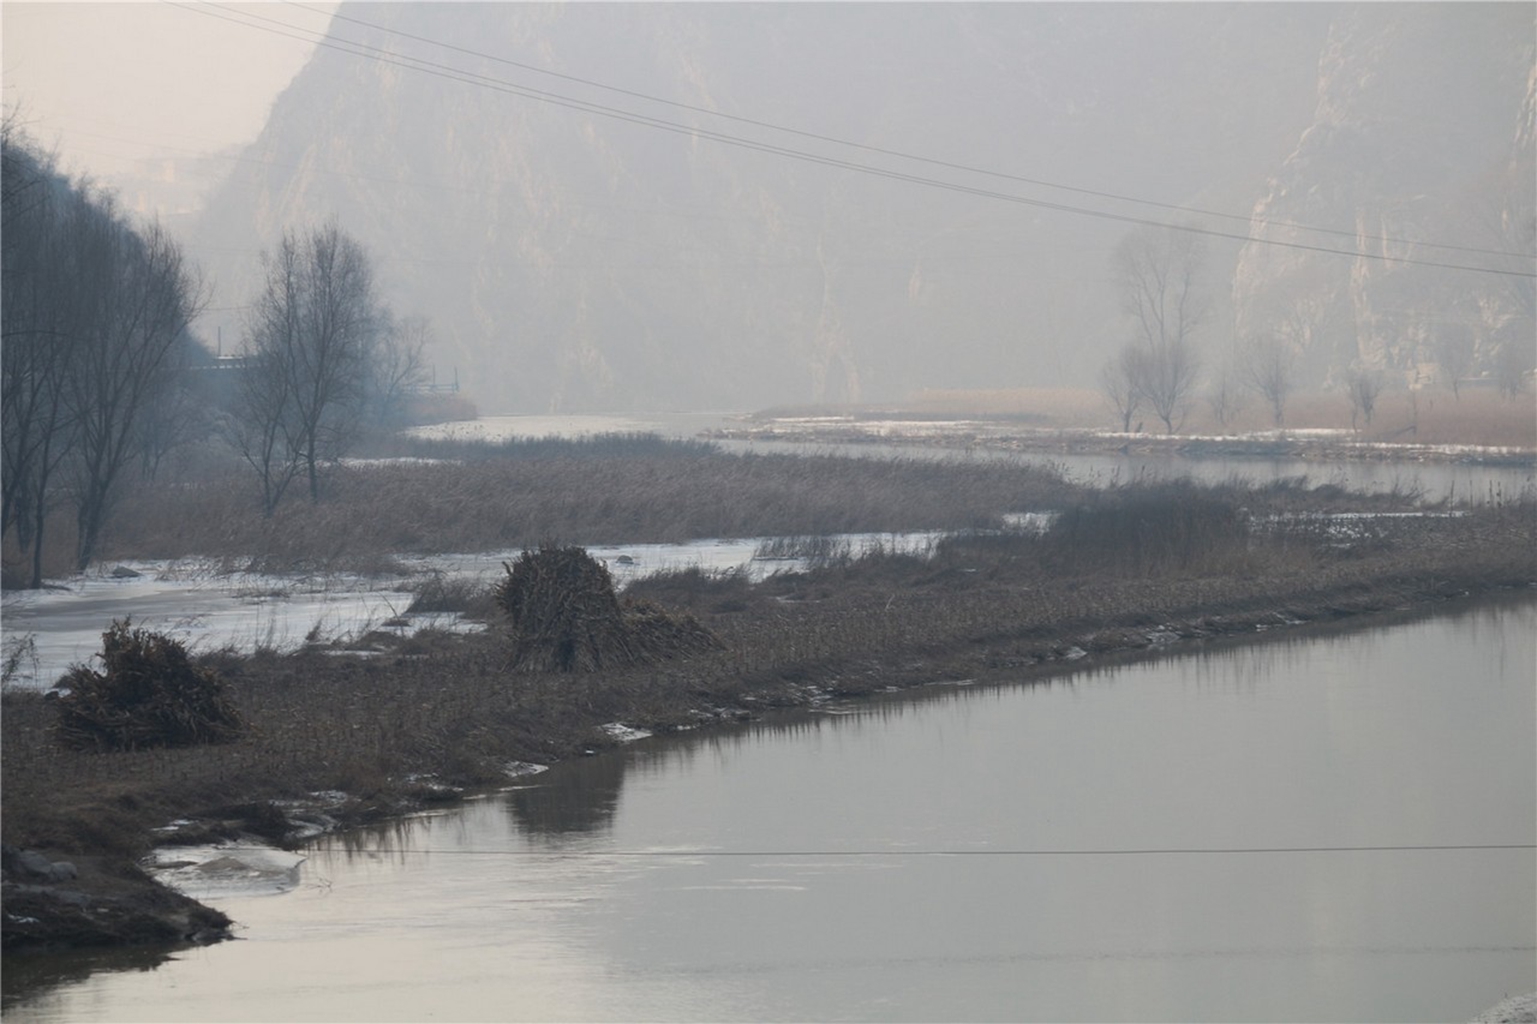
(635, 489)
(149, 695)
(565, 617)
(989, 603)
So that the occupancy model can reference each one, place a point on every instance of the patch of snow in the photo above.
(1515, 1010)
(1033, 522)
(517, 769)
(621, 733)
(226, 870)
(400, 460)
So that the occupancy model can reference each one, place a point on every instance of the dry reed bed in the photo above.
(372, 511)
(449, 705)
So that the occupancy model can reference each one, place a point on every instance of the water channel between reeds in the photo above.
(46, 632)
(1316, 826)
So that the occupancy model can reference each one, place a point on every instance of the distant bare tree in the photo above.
(398, 365)
(1269, 369)
(1167, 377)
(1514, 358)
(312, 334)
(1116, 381)
(1224, 397)
(1454, 348)
(181, 415)
(1157, 271)
(1363, 385)
(263, 427)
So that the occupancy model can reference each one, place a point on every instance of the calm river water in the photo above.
(1330, 827)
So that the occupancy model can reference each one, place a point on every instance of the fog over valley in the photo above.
(630, 207)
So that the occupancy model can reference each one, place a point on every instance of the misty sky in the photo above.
(108, 85)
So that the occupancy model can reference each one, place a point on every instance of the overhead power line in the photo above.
(451, 73)
(969, 168)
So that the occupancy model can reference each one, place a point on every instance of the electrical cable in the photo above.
(450, 73)
(950, 165)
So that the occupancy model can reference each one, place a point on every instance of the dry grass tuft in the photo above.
(150, 695)
(566, 617)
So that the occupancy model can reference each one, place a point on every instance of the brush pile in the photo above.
(150, 695)
(566, 617)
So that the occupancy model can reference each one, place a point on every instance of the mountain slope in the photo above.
(574, 260)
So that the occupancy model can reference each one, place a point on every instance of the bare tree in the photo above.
(36, 311)
(1157, 270)
(1224, 397)
(1454, 350)
(130, 356)
(1363, 386)
(1513, 365)
(1167, 377)
(1269, 369)
(1117, 382)
(262, 427)
(93, 312)
(312, 335)
(397, 366)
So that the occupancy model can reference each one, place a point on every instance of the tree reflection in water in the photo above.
(577, 798)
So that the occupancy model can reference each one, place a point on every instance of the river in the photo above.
(1450, 476)
(1320, 826)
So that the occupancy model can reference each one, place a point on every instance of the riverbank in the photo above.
(345, 737)
(1015, 435)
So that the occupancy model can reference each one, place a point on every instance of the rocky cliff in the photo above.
(669, 246)
(1420, 148)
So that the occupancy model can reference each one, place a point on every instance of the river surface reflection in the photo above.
(1329, 827)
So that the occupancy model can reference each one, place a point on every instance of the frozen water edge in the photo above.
(226, 870)
(209, 609)
(1515, 1010)
(189, 600)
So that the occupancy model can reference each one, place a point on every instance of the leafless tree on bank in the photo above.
(130, 357)
(311, 338)
(398, 366)
(94, 311)
(1269, 369)
(1157, 270)
(1117, 381)
(37, 340)
(1224, 397)
(1454, 348)
(1362, 386)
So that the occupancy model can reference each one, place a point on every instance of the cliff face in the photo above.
(573, 259)
(1422, 133)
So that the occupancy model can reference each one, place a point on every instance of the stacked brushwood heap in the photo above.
(566, 617)
(150, 695)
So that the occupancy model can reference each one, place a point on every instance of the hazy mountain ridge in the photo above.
(1422, 134)
(573, 261)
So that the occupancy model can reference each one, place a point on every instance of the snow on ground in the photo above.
(1515, 1010)
(226, 870)
(48, 631)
